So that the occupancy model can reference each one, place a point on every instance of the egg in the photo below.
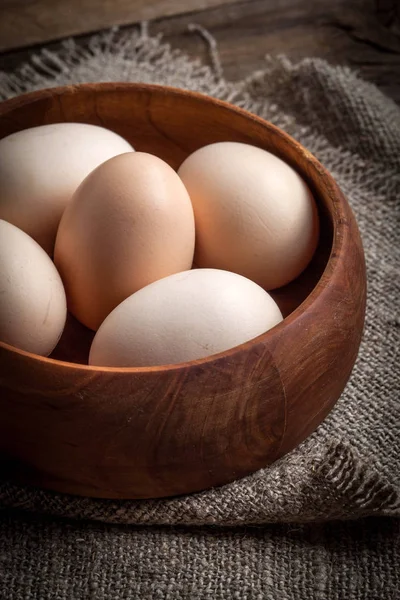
(40, 169)
(129, 223)
(33, 306)
(254, 214)
(186, 316)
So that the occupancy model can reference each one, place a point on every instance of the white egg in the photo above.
(33, 307)
(186, 316)
(40, 169)
(254, 214)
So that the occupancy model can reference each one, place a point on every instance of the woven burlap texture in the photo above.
(58, 559)
(350, 467)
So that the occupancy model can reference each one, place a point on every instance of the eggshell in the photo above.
(33, 306)
(130, 223)
(254, 214)
(40, 169)
(184, 317)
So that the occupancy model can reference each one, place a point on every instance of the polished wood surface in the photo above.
(160, 431)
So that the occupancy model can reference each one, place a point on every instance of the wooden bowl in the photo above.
(161, 431)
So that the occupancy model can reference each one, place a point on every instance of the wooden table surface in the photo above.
(364, 34)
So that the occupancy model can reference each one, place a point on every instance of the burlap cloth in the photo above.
(349, 468)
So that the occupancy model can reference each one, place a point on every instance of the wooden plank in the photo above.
(360, 34)
(365, 36)
(28, 22)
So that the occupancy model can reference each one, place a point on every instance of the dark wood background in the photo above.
(364, 34)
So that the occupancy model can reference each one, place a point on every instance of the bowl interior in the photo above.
(170, 124)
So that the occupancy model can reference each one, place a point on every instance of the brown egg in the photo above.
(254, 214)
(129, 223)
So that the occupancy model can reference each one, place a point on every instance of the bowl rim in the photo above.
(338, 237)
